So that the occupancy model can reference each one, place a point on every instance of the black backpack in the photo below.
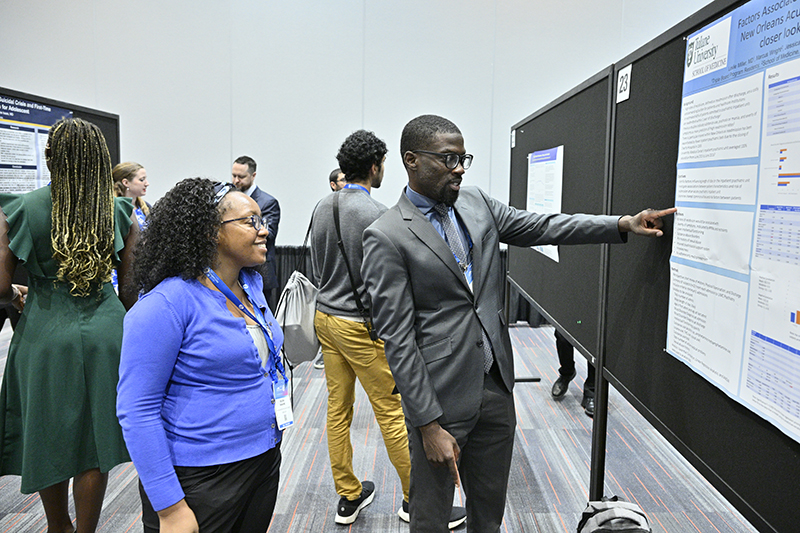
(612, 515)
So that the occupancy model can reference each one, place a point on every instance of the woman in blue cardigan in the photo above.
(200, 369)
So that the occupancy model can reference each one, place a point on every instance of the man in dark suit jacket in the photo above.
(442, 321)
(243, 176)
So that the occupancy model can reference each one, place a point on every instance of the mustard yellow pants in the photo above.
(349, 353)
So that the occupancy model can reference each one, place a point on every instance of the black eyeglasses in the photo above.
(451, 160)
(222, 189)
(255, 221)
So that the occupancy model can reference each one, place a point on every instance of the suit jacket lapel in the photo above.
(422, 228)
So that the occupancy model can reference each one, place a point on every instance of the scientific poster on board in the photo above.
(734, 306)
(24, 126)
(545, 182)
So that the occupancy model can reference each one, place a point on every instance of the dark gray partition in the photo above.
(568, 292)
(751, 462)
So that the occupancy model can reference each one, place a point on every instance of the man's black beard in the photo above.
(449, 197)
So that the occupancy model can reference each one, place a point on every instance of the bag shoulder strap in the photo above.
(361, 309)
(365, 314)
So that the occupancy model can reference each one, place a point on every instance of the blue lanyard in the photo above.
(258, 318)
(356, 186)
(140, 217)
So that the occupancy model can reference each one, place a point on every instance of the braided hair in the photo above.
(82, 218)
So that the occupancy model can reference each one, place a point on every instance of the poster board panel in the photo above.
(567, 290)
(747, 459)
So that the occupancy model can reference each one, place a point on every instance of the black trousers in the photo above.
(231, 498)
(566, 360)
(487, 443)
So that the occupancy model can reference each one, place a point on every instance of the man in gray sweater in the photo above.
(349, 348)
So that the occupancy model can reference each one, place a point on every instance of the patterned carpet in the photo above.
(549, 477)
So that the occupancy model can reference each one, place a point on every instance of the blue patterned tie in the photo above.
(454, 242)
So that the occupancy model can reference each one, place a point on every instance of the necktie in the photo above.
(454, 242)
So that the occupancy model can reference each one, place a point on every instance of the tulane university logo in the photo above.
(689, 54)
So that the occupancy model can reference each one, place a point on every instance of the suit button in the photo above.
(479, 344)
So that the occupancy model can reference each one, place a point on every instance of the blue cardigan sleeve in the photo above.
(152, 338)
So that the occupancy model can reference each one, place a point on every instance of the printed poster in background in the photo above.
(23, 135)
(734, 306)
(545, 181)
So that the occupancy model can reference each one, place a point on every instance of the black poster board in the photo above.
(568, 292)
(107, 122)
(752, 463)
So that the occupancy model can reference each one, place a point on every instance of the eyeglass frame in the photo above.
(446, 155)
(256, 221)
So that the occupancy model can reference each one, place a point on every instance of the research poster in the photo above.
(23, 136)
(545, 182)
(734, 306)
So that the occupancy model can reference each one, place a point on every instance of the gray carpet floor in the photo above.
(549, 474)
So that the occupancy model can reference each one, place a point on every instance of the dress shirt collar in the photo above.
(249, 191)
(422, 202)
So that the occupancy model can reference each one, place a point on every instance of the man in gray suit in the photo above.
(432, 268)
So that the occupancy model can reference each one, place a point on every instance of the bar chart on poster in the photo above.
(735, 266)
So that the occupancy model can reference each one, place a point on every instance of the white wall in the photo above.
(198, 83)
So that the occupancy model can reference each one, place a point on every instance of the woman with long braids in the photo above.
(198, 408)
(57, 418)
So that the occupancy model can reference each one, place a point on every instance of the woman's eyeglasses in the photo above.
(255, 221)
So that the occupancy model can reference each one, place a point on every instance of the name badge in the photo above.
(283, 404)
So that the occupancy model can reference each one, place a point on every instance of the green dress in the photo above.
(57, 403)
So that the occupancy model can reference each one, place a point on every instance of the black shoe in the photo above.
(561, 385)
(347, 512)
(588, 406)
(458, 515)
